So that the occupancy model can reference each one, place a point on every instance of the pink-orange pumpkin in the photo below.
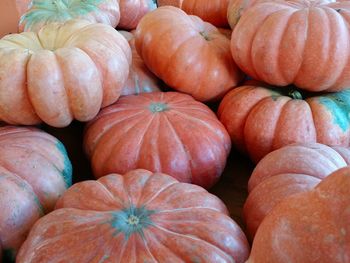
(34, 173)
(300, 42)
(61, 73)
(166, 132)
(188, 54)
(262, 119)
(140, 79)
(292, 169)
(137, 217)
(308, 227)
(236, 8)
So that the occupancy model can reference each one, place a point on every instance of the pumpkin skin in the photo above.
(137, 217)
(188, 54)
(261, 119)
(140, 79)
(308, 227)
(34, 173)
(61, 73)
(236, 8)
(165, 132)
(132, 11)
(281, 43)
(290, 170)
(43, 12)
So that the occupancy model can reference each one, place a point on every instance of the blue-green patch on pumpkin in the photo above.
(68, 169)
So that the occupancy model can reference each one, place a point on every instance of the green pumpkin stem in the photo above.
(295, 95)
(60, 5)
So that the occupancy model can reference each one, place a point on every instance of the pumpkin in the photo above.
(140, 78)
(236, 8)
(281, 43)
(42, 12)
(34, 173)
(292, 169)
(188, 54)
(136, 217)
(212, 11)
(10, 13)
(308, 227)
(61, 73)
(262, 119)
(166, 132)
(131, 12)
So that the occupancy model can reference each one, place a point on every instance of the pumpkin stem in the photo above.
(205, 35)
(295, 95)
(60, 4)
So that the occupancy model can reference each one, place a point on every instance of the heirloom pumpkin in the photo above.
(140, 79)
(290, 170)
(61, 73)
(300, 42)
(260, 120)
(43, 12)
(308, 227)
(161, 132)
(131, 12)
(34, 173)
(137, 217)
(188, 54)
(236, 8)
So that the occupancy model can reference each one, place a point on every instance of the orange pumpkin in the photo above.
(61, 73)
(140, 79)
(161, 132)
(188, 54)
(212, 11)
(42, 12)
(236, 8)
(34, 172)
(300, 42)
(308, 227)
(132, 11)
(260, 120)
(10, 13)
(292, 169)
(137, 217)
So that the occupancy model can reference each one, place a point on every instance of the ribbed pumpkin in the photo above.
(161, 132)
(292, 169)
(212, 11)
(34, 173)
(131, 12)
(300, 42)
(61, 73)
(136, 217)
(308, 227)
(236, 8)
(260, 120)
(188, 54)
(140, 79)
(43, 12)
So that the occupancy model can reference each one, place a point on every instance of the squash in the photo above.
(308, 227)
(140, 79)
(42, 12)
(131, 12)
(136, 217)
(292, 169)
(61, 73)
(188, 54)
(299, 42)
(262, 119)
(10, 13)
(34, 173)
(165, 132)
(236, 8)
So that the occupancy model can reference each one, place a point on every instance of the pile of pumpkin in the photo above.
(280, 79)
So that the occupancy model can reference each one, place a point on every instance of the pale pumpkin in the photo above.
(140, 79)
(166, 132)
(136, 217)
(61, 73)
(43, 12)
(308, 227)
(300, 42)
(290, 170)
(188, 54)
(262, 119)
(34, 173)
